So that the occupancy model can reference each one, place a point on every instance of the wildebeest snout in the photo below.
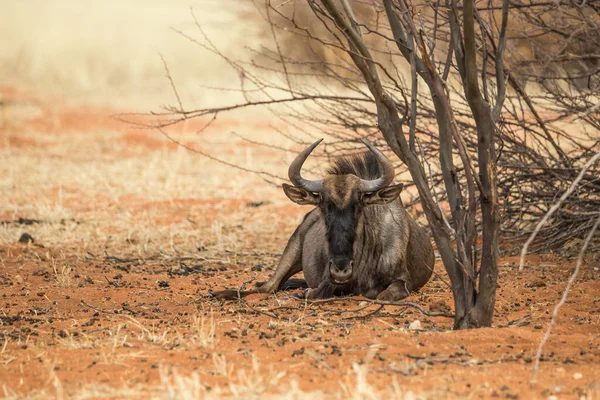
(340, 271)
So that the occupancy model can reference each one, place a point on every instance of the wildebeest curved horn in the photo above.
(296, 166)
(388, 171)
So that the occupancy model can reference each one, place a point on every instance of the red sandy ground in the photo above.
(42, 324)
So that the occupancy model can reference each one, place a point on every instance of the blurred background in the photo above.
(110, 51)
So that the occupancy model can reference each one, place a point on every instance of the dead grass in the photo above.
(203, 334)
(62, 275)
(5, 358)
(86, 195)
(250, 383)
(68, 341)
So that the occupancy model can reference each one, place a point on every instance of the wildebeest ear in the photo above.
(299, 195)
(383, 196)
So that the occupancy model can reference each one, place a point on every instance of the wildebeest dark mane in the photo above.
(364, 165)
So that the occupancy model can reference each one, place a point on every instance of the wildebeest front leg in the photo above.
(395, 291)
(290, 263)
(291, 260)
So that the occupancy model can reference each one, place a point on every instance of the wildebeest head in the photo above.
(341, 199)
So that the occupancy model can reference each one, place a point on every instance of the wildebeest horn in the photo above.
(388, 171)
(296, 166)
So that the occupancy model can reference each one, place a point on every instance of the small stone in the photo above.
(26, 238)
(298, 352)
(577, 375)
(415, 326)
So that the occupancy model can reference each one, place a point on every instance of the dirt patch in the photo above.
(124, 321)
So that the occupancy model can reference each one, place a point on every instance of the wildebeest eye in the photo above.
(366, 195)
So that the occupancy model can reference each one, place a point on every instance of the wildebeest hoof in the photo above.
(300, 295)
(392, 295)
(396, 291)
(386, 295)
(306, 294)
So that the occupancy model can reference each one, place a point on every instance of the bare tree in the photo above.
(446, 87)
(474, 307)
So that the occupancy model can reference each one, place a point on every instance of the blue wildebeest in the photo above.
(357, 240)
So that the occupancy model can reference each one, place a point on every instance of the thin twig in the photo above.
(555, 207)
(384, 303)
(538, 356)
(367, 315)
(244, 302)
(173, 87)
(97, 309)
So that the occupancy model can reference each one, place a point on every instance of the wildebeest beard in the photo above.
(341, 234)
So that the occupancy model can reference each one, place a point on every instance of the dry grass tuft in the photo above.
(62, 275)
(203, 332)
(253, 383)
(152, 334)
(69, 341)
(220, 364)
(176, 386)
